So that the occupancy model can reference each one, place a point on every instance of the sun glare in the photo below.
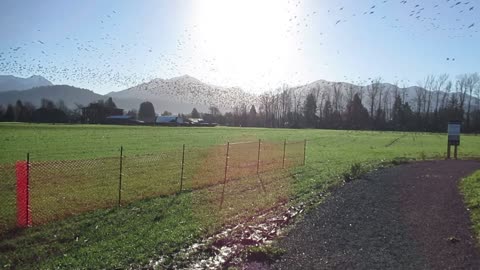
(232, 35)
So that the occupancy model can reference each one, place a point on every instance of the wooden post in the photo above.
(183, 163)
(29, 218)
(455, 151)
(448, 150)
(284, 148)
(258, 158)
(258, 166)
(225, 176)
(120, 177)
(304, 152)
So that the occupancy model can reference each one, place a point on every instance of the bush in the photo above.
(355, 172)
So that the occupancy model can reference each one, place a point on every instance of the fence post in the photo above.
(22, 169)
(258, 158)
(258, 166)
(120, 177)
(226, 172)
(284, 148)
(304, 152)
(183, 163)
(29, 216)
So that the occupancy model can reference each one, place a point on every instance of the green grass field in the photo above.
(83, 178)
(59, 142)
(134, 233)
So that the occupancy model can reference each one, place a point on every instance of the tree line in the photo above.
(57, 112)
(377, 106)
(48, 112)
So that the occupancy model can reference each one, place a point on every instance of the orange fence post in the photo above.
(22, 168)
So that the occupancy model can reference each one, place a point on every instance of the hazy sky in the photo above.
(257, 45)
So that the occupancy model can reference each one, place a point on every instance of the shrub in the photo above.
(355, 172)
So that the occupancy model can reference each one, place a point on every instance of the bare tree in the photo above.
(429, 86)
(387, 98)
(285, 105)
(419, 99)
(440, 82)
(296, 105)
(471, 83)
(403, 90)
(337, 97)
(325, 96)
(266, 103)
(477, 95)
(446, 94)
(372, 93)
(381, 88)
(462, 89)
(350, 93)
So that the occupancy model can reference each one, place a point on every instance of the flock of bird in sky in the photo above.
(90, 61)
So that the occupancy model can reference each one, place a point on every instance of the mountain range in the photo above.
(182, 94)
(9, 82)
(177, 95)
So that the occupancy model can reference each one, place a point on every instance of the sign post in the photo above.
(453, 137)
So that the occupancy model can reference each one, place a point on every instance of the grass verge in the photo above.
(470, 187)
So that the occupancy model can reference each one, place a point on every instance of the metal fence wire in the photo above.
(64, 188)
(37, 192)
(7, 197)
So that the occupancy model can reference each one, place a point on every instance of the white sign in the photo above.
(453, 129)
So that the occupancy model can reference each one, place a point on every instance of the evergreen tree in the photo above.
(356, 114)
(397, 114)
(110, 104)
(47, 104)
(195, 113)
(252, 116)
(146, 112)
(253, 111)
(9, 114)
(310, 110)
(327, 114)
(407, 120)
(19, 111)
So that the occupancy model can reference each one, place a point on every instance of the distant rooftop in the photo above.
(119, 117)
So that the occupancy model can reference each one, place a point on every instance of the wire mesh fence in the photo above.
(61, 188)
(7, 197)
(64, 188)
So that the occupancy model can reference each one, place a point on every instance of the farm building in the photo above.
(170, 120)
(199, 122)
(122, 120)
(96, 113)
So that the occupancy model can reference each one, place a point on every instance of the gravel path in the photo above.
(406, 217)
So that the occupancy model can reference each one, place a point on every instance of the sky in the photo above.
(258, 45)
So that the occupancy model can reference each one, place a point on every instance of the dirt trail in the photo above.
(407, 217)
